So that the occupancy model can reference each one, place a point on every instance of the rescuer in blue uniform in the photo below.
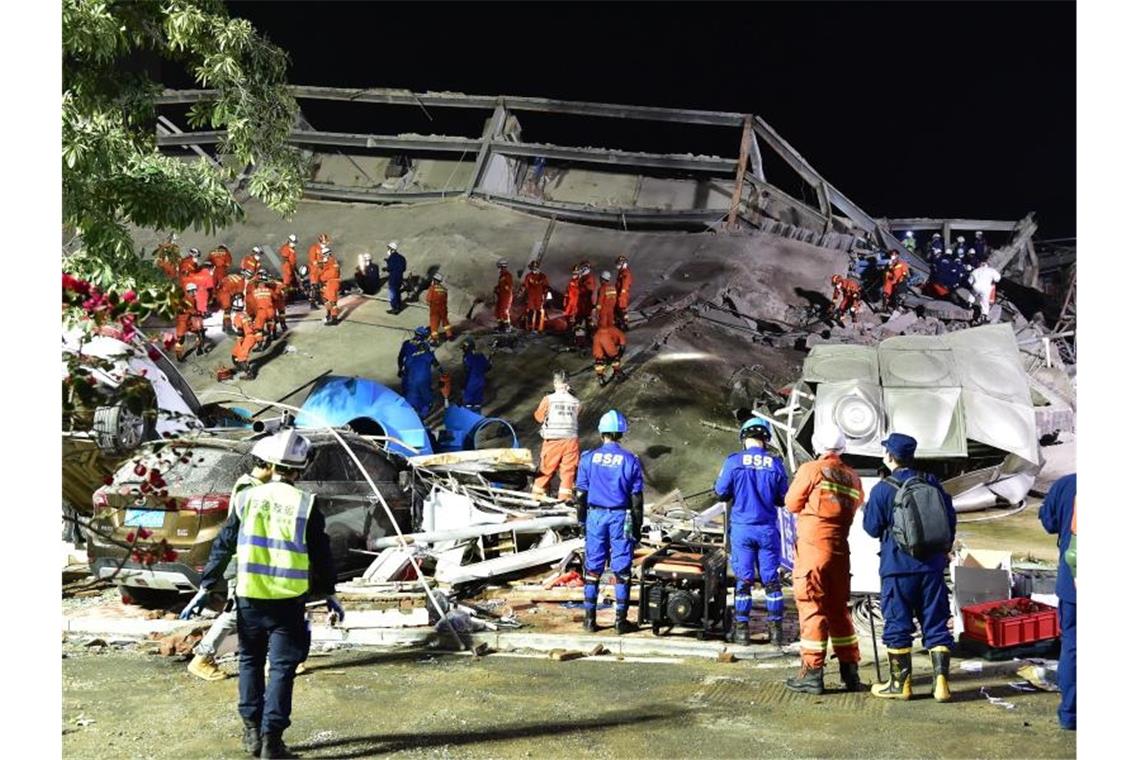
(394, 265)
(1056, 515)
(756, 482)
(911, 587)
(415, 364)
(476, 366)
(610, 504)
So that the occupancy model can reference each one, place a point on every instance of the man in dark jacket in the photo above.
(1056, 515)
(911, 587)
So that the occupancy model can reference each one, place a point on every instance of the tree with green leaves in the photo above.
(114, 176)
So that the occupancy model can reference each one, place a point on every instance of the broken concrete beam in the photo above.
(947, 310)
(898, 323)
(562, 655)
(599, 650)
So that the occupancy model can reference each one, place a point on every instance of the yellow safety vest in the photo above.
(273, 558)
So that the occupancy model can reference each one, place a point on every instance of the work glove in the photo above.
(637, 513)
(336, 612)
(580, 505)
(195, 606)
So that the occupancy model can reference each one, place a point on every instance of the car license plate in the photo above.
(145, 518)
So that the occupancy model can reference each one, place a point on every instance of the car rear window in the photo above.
(206, 469)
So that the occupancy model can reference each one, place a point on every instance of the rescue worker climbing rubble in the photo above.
(624, 286)
(909, 241)
(437, 309)
(755, 482)
(414, 368)
(284, 557)
(824, 495)
(845, 296)
(609, 347)
(894, 280)
(330, 285)
(504, 295)
(912, 587)
(610, 503)
(983, 291)
(537, 286)
(557, 413)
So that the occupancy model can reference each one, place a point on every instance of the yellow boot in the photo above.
(899, 685)
(940, 663)
(205, 668)
(300, 668)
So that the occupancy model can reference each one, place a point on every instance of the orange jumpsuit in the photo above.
(604, 309)
(250, 263)
(437, 310)
(188, 320)
(329, 279)
(231, 285)
(825, 494)
(587, 288)
(263, 310)
(278, 288)
(895, 275)
(559, 455)
(314, 266)
(166, 258)
(187, 265)
(624, 285)
(845, 296)
(536, 284)
(221, 259)
(247, 339)
(504, 294)
(570, 305)
(288, 256)
(609, 344)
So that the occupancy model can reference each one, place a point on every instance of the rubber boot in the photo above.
(849, 673)
(899, 685)
(204, 667)
(601, 381)
(272, 746)
(591, 621)
(940, 664)
(251, 737)
(809, 681)
(623, 626)
(741, 635)
(775, 633)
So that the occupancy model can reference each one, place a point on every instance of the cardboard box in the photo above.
(979, 575)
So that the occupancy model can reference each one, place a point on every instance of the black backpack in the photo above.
(919, 523)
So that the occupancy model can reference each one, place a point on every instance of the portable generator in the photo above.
(685, 584)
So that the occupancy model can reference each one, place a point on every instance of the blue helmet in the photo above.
(613, 421)
(756, 428)
(422, 332)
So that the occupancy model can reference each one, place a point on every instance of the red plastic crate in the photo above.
(1023, 628)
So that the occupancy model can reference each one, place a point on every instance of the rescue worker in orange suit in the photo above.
(222, 260)
(330, 284)
(278, 304)
(536, 286)
(264, 310)
(570, 302)
(624, 285)
(247, 337)
(288, 254)
(166, 257)
(437, 308)
(190, 263)
(606, 302)
(252, 260)
(894, 279)
(845, 296)
(558, 415)
(189, 320)
(587, 293)
(315, 267)
(609, 347)
(233, 284)
(504, 295)
(825, 494)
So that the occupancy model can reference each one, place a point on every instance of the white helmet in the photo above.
(190, 286)
(325, 248)
(961, 239)
(977, 233)
(302, 270)
(971, 251)
(292, 238)
(194, 253)
(257, 251)
(437, 277)
(909, 234)
(606, 276)
(502, 263)
(285, 448)
(366, 257)
(837, 441)
(938, 235)
(392, 245)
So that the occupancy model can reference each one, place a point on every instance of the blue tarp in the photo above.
(460, 426)
(338, 400)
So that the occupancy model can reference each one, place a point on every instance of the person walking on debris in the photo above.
(606, 302)
(536, 285)
(911, 566)
(288, 254)
(894, 280)
(824, 494)
(323, 241)
(983, 290)
(330, 285)
(1058, 515)
(504, 295)
(609, 347)
(845, 296)
(624, 286)
(755, 482)
(414, 367)
(367, 275)
(394, 264)
(475, 366)
(283, 557)
(557, 413)
(437, 309)
(610, 502)
(248, 336)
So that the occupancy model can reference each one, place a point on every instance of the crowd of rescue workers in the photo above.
(282, 552)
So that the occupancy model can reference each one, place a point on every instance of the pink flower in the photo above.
(130, 297)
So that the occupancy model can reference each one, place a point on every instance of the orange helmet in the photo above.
(835, 279)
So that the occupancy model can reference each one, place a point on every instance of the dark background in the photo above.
(961, 109)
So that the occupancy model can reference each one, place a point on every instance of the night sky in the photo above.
(910, 109)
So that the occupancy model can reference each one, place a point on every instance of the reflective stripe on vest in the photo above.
(273, 558)
(561, 416)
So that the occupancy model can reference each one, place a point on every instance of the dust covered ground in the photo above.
(421, 704)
